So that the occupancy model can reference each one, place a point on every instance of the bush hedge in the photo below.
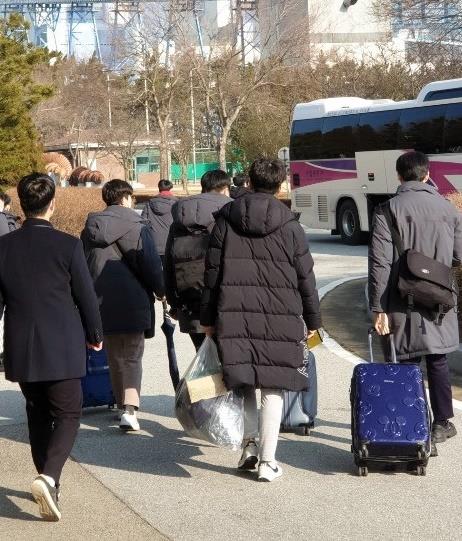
(72, 207)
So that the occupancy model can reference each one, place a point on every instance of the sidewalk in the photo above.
(90, 510)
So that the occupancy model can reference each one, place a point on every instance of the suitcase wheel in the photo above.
(363, 471)
(421, 470)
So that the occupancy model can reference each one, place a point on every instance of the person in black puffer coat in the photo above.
(158, 211)
(260, 300)
(186, 247)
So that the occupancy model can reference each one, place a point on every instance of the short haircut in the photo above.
(215, 180)
(115, 190)
(5, 198)
(267, 175)
(241, 179)
(36, 191)
(412, 166)
(164, 185)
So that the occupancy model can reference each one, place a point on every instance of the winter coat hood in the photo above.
(416, 186)
(257, 214)
(109, 225)
(197, 212)
(160, 205)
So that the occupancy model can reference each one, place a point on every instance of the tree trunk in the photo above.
(222, 143)
(164, 155)
(184, 177)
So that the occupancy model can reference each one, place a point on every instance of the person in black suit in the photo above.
(51, 310)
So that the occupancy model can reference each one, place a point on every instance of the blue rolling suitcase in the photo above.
(96, 385)
(299, 410)
(390, 419)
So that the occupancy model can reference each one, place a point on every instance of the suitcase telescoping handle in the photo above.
(392, 346)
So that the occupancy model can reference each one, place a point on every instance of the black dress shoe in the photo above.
(442, 431)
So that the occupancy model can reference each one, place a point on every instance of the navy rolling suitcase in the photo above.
(299, 410)
(96, 385)
(390, 419)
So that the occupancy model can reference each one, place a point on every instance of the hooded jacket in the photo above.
(192, 218)
(158, 211)
(431, 225)
(125, 268)
(260, 293)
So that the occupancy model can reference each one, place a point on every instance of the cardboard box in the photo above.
(206, 387)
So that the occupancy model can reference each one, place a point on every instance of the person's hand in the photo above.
(311, 334)
(95, 347)
(381, 323)
(209, 331)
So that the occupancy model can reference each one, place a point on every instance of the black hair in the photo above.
(164, 185)
(412, 166)
(36, 191)
(241, 179)
(5, 198)
(267, 175)
(215, 180)
(115, 190)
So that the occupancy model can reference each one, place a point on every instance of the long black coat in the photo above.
(50, 304)
(429, 224)
(125, 268)
(158, 211)
(260, 293)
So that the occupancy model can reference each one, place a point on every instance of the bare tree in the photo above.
(79, 106)
(228, 82)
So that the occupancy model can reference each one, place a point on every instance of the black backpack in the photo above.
(188, 256)
(422, 281)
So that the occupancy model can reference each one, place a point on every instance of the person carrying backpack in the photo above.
(416, 236)
(261, 302)
(127, 273)
(186, 247)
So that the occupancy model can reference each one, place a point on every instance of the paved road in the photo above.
(191, 491)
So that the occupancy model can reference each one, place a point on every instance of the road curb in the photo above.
(334, 347)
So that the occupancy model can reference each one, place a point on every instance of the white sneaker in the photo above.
(249, 457)
(269, 471)
(128, 421)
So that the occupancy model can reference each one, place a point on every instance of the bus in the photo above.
(343, 152)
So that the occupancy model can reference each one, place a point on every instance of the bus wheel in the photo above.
(348, 223)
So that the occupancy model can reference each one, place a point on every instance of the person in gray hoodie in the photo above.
(187, 244)
(127, 272)
(158, 211)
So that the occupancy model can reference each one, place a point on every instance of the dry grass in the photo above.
(72, 207)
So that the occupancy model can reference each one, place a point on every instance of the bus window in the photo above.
(453, 128)
(377, 131)
(446, 94)
(337, 136)
(305, 139)
(422, 129)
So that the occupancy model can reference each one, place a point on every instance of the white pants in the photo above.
(270, 420)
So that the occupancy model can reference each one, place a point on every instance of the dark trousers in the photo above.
(53, 414)
(197, 339)
(439, 386)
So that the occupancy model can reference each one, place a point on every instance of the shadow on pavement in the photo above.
(8, 509)
(155, 450)
(314, 456)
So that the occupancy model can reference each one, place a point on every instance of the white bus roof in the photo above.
(346, 105)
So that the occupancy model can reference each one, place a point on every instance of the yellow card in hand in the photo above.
(315, 340)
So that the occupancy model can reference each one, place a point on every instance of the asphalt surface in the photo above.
(191, 491)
